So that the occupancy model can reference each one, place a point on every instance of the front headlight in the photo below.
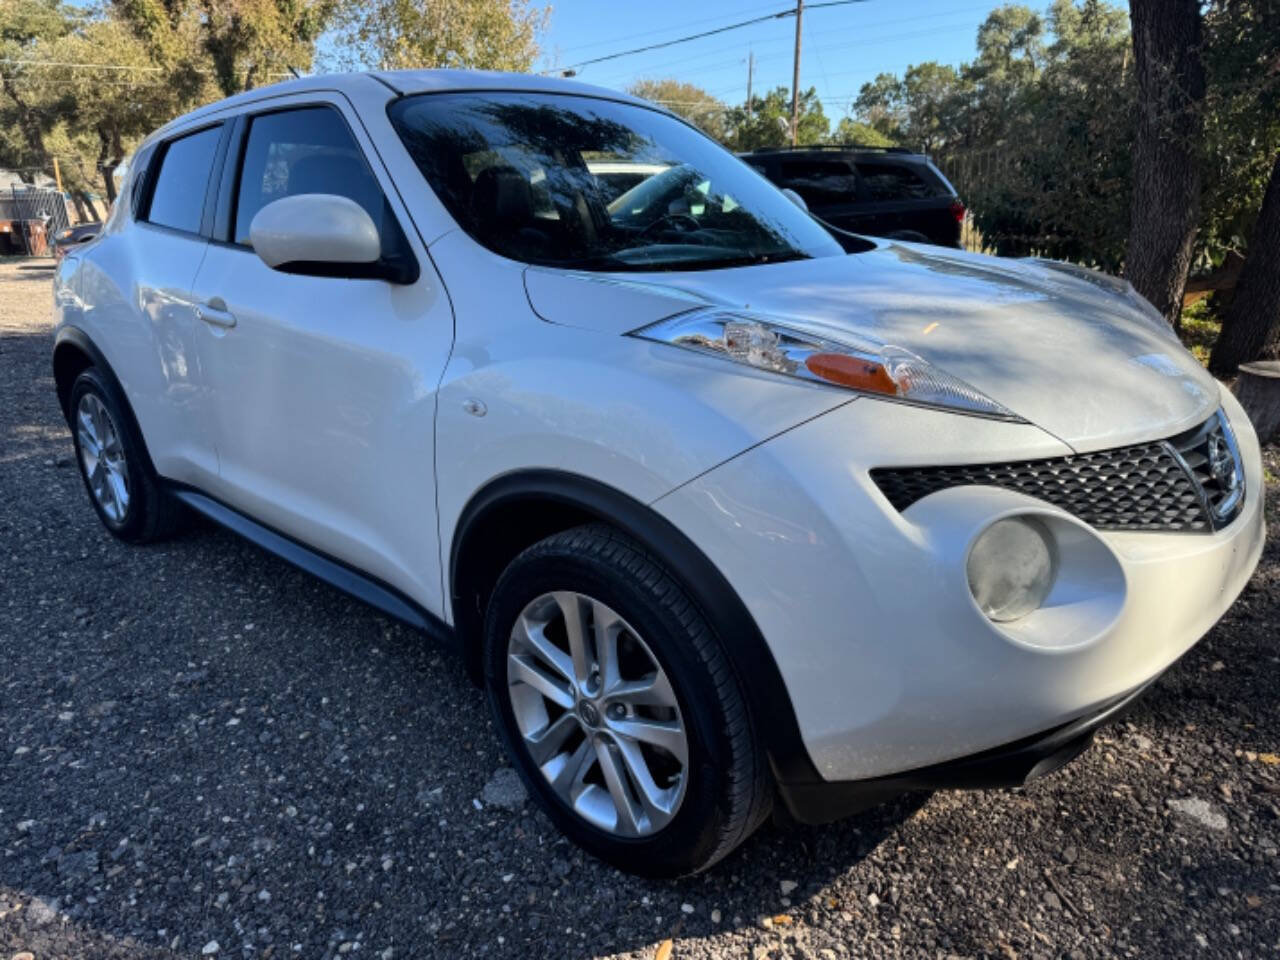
(857, 364)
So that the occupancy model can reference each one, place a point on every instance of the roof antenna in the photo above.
(294, 71)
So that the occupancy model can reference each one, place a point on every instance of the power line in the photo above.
(779, 15)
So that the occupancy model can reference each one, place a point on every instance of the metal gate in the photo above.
(40, 213)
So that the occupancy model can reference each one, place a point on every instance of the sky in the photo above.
(843, 47)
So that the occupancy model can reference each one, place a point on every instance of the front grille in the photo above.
(1191, 482)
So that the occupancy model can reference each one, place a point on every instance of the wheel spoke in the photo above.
(573, 768)
(119, 489)
(532, 633)
(606, 626)
(575, 629)
(546, 743)
(629, 819)
(658, 804)
(651, 691)
(526, 669)
(666, 734)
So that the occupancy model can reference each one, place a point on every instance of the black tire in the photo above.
(727, 793)
(152, 514)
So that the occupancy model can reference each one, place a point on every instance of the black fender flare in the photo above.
(769, 702)
(75, 337)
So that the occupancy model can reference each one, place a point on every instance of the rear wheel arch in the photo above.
(73, 353)
(517, 510)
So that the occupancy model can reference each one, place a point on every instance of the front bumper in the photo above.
(887, 661)
(1012, 765)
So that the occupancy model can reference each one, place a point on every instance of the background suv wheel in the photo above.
(619, 707)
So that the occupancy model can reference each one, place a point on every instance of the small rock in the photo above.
(25, 825)
(787, 886)
(210, 948)
(42, 912)
(873, 900)
(1200, 811)
(686, 908)
(715, 916)
(1202, 941)
(24, 955)
(504, 789)
(1051, 901)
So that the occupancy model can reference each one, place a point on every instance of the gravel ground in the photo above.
(206, 753)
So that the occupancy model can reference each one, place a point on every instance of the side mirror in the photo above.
(318, 234)
(796, 199)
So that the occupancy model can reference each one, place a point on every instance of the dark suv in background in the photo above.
(880, 191)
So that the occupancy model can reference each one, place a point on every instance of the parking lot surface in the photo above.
(205, 753)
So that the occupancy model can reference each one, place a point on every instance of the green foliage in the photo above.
(769, 123)
(851, 131)
(413, 34)
(686, 100)
(1242, 121)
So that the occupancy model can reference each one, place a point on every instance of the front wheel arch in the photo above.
(517, 510)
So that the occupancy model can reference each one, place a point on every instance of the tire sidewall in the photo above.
(91, 381)
(691, 837)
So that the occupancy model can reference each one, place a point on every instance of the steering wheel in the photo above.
(672, 219)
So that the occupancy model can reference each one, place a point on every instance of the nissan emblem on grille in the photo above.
(1189, 482)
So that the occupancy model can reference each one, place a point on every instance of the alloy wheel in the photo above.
(597, 714)
(102, 456)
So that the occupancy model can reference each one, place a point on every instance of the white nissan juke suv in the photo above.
(722, 506)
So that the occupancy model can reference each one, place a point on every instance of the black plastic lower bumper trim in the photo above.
(1010, 765)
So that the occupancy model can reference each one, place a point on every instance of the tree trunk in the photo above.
(1166, 171)
(1258, 391)
(1251, 329)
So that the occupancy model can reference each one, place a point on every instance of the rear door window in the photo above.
(894, 181)
(177, 199)
(820, 182)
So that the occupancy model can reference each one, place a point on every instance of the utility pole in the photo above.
(751, 68)
(795, 79)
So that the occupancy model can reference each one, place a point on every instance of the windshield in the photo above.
(573, 181)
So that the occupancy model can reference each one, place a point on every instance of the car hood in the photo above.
(1071, 353)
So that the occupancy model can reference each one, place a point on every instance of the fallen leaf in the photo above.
(1270, 759)
(1253, 902)
(781, 919)
(664, 951)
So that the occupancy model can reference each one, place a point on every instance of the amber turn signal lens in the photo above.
(852, 372)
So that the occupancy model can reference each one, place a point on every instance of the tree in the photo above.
(769, 123)
(851, 131)
(29, 113)
(1166, 203)
(1251, 330)
(239, 44)
(413, 34)
(686, 100)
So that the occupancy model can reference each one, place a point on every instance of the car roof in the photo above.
(407, 82)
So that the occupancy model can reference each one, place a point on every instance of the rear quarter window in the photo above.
(820, 182)
(897, 181)
(177, 199)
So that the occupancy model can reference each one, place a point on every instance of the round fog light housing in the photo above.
(1011, 568)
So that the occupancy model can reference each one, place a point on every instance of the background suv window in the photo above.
(890, 181)
(309, 150)
(177, 200)
(820, 182)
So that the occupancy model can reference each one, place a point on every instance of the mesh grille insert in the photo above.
(1161, 485)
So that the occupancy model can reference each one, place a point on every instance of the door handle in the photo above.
(215, 312)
